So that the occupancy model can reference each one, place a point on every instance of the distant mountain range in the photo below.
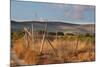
(54, 26)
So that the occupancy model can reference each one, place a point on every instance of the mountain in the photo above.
(54, 26)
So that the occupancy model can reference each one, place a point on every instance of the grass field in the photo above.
(63, 49)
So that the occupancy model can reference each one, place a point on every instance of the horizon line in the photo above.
(52, 21)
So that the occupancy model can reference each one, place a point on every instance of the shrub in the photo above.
(51, 33)
(60, 33)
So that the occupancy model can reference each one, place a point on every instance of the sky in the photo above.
(34, 11)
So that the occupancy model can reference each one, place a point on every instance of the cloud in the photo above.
(75, 12)
(78, 12)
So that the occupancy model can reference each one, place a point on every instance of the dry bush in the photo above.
(30, 56)
(66, 48)
(18, 47)
(86, 56)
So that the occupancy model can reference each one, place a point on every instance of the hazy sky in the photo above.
(28, 11)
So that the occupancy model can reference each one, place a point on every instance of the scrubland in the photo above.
(67, 49)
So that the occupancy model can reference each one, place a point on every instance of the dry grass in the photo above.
(65, 48)
(18, 47)
(30, 56)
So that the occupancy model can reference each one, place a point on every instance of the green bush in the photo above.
(17, 35)
(51, 33)
(60, 33)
